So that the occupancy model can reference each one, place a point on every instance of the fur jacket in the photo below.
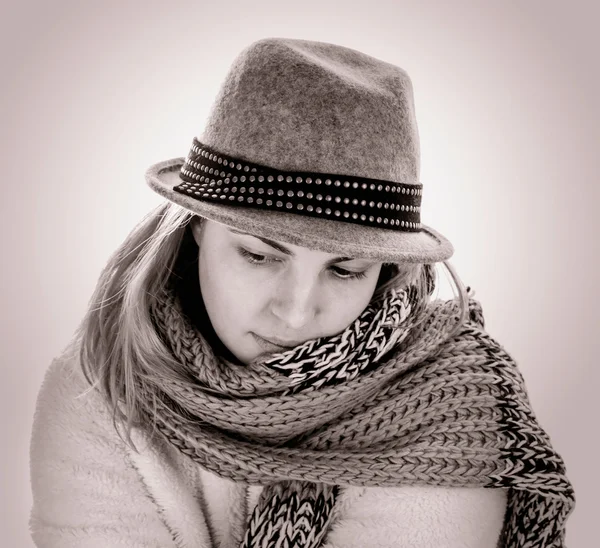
(90, 489)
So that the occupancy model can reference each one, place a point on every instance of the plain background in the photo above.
(506, 97)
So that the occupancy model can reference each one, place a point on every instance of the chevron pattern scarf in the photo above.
(388, 402)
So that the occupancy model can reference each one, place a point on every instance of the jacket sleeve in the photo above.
(419, 517)
(85, 491)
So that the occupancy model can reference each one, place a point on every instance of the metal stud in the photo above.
(298, 179)
(337, 183)
(354, 184)
(346, 184)
(337, 213)
(338, 199)
(260, 178)
(309, 195)
(328, 198)
(327, 182)
(300, 194)
(300, 207)
(309, 208)
(270, 191)
(269, 202)
(289, 179)
(280, 178)
(251, 189)
(290, 193)
(289, 205)
(317, 181)
(240, 198)
(279, 204)
(246, 168)
(319, 197)
(261, 190)
(270, 178)
(308, 180)
(355, 215)
(251, 178)
(280, 192)
(346, 214)
(318, 210)
(259, 201)
(250, 199)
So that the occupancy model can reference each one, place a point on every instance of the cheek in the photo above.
(228, 298)
(346, 304)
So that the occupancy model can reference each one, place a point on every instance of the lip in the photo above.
(276, 343)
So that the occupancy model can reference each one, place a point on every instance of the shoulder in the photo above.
(66, 405)
(72, 427)
(81, 470)
(421, 516)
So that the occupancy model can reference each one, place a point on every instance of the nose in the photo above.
(296, 302)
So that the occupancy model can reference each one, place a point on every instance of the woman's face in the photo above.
(263, 295)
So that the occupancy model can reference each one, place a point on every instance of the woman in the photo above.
(263, 363)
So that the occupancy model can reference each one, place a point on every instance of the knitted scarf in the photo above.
(390, 401)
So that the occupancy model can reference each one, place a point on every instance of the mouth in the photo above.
(270, 344)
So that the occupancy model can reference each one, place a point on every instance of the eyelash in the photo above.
(254, 259)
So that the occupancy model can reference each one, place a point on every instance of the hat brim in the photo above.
(339, 237)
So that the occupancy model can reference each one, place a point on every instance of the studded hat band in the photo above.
(215, 177)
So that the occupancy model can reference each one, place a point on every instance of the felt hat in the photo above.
(313, 144)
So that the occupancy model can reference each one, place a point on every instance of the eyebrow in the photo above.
(289, 252)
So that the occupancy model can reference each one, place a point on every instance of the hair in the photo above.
(117, 339)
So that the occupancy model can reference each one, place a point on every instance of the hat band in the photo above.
(209, 175)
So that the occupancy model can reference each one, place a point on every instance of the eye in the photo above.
(343, 274)
(254, 258)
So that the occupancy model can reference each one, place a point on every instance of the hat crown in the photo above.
(299, 105)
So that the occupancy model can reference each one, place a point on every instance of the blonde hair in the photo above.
(117, 339)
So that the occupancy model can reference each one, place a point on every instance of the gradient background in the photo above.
(506, 97)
